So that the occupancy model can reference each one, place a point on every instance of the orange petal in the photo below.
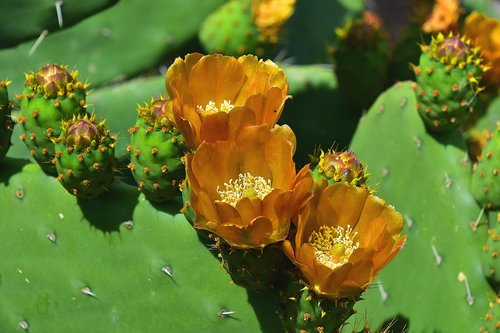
(249, 209)
(228, 214)
(250, 149)
(177, 76)
(268, 106)
(341, 204)
(214, 164)
(216, 78)
(288, 249)
(279, 159)
(206, 212)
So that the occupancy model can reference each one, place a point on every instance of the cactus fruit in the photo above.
(340, 166)
(156, 148)
(491, 250)
(231, 30)
(448, 76)
(6, 124)
(254, 269)
(84, 157)
(361, 58)
(486, 179)
(245, 26)
(302, 311)
(50, 96)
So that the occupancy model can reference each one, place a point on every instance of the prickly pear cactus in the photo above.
(84, 157)
(111, 262)
(485, 179)
(254, 269)
(156, 149)
(448, 77)
(231, 30)
(303, 312)
(51, 96)
(361, 59)
(433, 172)
(6, 123)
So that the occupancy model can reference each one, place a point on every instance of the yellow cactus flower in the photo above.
(444, 16)
(485, 32)
(270, 15)
(214, 96)
(345, 236)
(247, 190)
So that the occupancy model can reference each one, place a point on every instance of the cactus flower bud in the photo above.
(82, 134)
(53, 80)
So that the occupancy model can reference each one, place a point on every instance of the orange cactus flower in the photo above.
(270, 15)
(444, 16)
(247, 190)
(485, 32)
(214, 96)
(345, 236)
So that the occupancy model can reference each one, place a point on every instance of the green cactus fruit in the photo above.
(50, 96)
(230, 30)
(485, 183)
(255, 269)
(156, 150)
(340, 166)
(303, 312)
(361, 58)
(448, 76)
(491, 251)
(84, 157)
(6, 124)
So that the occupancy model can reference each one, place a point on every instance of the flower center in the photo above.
(225, 106)
(245, 185)
(333, 245)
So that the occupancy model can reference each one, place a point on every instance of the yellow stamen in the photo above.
(225, 106)
(333, 245)
(245, 186)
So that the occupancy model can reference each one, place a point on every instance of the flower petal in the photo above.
(216, 78)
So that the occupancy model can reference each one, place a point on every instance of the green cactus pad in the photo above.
(20, 23)
(448, 77)
(427, 179)
(303, 312)
(156, 151)
(486, 179)
(230, 30)
(6, 123)
(51, 96)
(84, 157)
(102, 266)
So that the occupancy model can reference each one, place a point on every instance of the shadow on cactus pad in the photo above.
(111, 209)
(9, 167)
